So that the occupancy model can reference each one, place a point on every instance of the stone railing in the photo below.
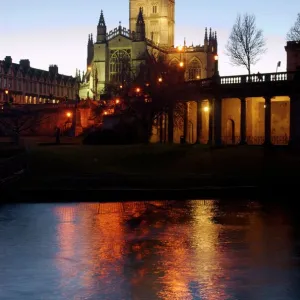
(120, 30)
(258, 78)
(244, 79)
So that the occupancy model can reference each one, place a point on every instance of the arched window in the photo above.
(120, 65)
(174, 63)
(194, 70)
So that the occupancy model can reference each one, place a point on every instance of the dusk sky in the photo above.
(56, 31)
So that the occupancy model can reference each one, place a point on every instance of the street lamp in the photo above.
(160, 79)
(206, 108)
(117, 101)
(278, 66)
(181, 64)
(137, 89)
(68, 114)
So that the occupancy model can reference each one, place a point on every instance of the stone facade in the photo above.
(159, 17)
(292, 55)
(22, 84)
(116, 56)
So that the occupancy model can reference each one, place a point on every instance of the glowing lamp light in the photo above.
(198, 77)
(181, 64)
(121, 86)
(117, 101)
(147, 84)
(180, 48)
(89, 68)
(265, 106)
(137, 89)
(106, 113)
(206, 108)
(159, 79)
(68, 114)
(216, 57)
(6, 92)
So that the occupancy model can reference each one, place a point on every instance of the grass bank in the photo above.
(158, 166)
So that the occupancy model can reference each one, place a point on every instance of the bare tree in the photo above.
(18, 119)
(294, 33)
(246, 42)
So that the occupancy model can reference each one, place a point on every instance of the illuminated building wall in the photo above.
(23, 84)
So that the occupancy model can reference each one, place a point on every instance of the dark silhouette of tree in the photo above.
(246, 42)
(294, 33)
(15, 120)
(153, 93)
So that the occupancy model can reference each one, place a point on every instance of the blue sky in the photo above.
(56, 31)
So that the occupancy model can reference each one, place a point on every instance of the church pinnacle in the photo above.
(101, 29)
(101, 20)
(140, 19)
(140, 26)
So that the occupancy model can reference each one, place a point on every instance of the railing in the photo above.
(120, 30)
(244, 79)
(258, 78)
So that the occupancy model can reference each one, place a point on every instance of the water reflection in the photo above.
(149, 250)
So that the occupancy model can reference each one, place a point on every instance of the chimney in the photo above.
(25, 63)
(53, 69)
(8, 60)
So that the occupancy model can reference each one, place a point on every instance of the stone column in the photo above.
(294, 121)
(161, 128)
(218, 121)
(185, 121)
(267, 121)
(199, 121)
(243, 140)
(171, 124)
(210, 122)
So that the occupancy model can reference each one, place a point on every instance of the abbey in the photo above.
(116, 55)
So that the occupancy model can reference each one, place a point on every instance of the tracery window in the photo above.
(194, 70)
(120, 65)
(174, 63)
(154, 9)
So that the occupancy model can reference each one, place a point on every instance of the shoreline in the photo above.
(116, 194)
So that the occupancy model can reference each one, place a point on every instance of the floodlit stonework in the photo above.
(23, 84)
(115, 56)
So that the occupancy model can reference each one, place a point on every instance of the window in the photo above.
(194, 70)
(174, 63)
(154, 9)
(120, 65)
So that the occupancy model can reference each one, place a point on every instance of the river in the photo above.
(149, 250)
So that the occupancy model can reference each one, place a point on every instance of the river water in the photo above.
(149, 250)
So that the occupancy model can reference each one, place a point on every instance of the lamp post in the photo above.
(278, 66)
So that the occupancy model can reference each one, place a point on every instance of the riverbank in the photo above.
(76, 171)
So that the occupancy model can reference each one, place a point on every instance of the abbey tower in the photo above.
(159, 17)
(114, 56)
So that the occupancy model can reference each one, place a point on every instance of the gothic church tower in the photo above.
(159, 17)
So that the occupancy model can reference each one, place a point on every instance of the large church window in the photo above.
(120, 65)
(194, 70)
